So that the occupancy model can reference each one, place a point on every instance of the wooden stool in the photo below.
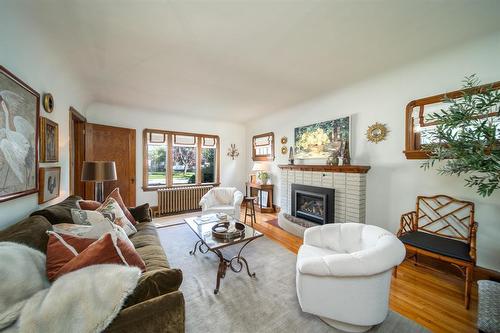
(250, 210)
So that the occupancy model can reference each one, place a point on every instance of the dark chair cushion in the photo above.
(141, 213)
(436, 244)
(31, 231)
(61, 212)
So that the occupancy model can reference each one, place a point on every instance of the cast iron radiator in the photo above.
(180, 199)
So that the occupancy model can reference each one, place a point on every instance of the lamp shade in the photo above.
(98, 171)
(261, 166)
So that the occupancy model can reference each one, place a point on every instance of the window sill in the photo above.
(155, 188)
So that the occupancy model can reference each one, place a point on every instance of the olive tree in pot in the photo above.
(467, 137)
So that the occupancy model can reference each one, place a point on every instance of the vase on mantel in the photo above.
(346, 158)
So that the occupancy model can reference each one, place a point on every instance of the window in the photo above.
(263, 147)
(419, 126)
(177, 159)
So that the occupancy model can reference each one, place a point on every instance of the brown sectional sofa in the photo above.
(156, 305)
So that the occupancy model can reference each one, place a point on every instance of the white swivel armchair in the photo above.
(344, 274)
(222, 200)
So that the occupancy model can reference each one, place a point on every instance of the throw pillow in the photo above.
(94, 231)
(115, 194)
(111, 207)
(61, 249)
(90, 217)
(88, 204)
(106, 250)
(141, 213)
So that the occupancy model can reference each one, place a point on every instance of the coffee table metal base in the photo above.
(235, 263)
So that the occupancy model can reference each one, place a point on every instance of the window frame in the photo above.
(413, 151)
(269, 157)
(169, 135)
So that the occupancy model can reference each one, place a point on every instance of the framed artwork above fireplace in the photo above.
(319, 140)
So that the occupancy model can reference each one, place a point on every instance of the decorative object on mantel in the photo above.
(233, 151)
(284, 150)
(99, 172)
(49, 140)
(419, 124)
(346, 155)
(48, 102)
(316, 141)
(284, 140)
(291, 159)
(50, 183)
(19, 111)
(466, 137)
(376, 132)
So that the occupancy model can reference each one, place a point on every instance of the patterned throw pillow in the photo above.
(115, 194)
(112, 208)
(106, 250)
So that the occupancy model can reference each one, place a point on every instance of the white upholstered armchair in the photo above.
(222, 200)
(344, 274)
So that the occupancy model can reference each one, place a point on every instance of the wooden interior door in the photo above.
(108, 143)
(76, 151)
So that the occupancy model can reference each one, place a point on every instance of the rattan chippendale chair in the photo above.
(442, 228)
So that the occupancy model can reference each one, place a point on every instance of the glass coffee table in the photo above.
(207, 243)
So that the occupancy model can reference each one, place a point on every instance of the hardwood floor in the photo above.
(431, 298)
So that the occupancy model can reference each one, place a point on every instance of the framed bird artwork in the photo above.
(19, 111)
(50, 183)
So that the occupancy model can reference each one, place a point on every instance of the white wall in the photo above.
(233, 172)
(393, 181)
(28, 54)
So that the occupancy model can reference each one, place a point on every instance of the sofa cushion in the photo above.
(61, 212)
(436, 244)
(148, 246)
(31, 231)
(155, 283)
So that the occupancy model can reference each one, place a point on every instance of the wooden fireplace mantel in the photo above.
(327, 168)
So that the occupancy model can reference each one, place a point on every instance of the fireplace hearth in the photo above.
(313, 203)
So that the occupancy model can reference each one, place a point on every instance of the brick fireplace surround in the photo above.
(348, 181)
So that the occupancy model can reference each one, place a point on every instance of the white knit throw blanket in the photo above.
(86, 300)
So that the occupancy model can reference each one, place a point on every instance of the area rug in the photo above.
(267, 303)
(170, 220)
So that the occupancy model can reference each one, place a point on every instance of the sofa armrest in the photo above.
(164, 313)
(407, 223)
(312, 236)
(155, 283)
(388, 253)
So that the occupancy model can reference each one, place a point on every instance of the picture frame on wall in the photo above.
(49, 140)
(50, 184)
(19, 112)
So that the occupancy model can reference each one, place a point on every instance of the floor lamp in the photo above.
(99, 172)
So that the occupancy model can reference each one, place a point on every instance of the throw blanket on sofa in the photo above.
(86, 300)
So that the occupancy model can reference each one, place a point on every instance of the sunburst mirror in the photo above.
(376, 132)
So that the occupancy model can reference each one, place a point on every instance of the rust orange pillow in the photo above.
(61, 249)
(106, 250)
(89, 204)
(115, 194)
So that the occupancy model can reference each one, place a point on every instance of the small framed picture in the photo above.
(50, 183)
(49, 140)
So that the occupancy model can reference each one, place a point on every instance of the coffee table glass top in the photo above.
(204, 233)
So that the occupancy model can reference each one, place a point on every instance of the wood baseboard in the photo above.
(481, 273)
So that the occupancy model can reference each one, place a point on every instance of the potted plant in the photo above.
(467, 137)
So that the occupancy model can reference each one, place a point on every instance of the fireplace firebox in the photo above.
(313, 203)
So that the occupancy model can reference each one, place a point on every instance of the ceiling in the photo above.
(240, 59)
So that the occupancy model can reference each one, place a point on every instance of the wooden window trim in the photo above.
(269, 157)
(412, 152)
(170, 146)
